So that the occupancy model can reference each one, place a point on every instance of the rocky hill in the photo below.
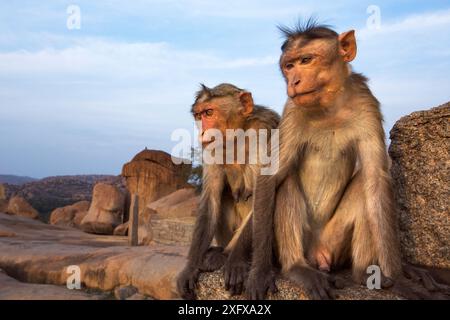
(50, 193)
(16, 180)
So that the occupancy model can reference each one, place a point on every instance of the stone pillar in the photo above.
(133, 225)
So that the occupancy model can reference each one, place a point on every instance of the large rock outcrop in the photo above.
(18, 206)
(152, 175)
(179, 204)
(38, 253)
(106, 210)
(70, 216)
(420, 152)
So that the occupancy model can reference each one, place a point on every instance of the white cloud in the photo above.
(90, 56)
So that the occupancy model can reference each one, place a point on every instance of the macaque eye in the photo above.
(198, 116)
(305, 60)
(288, 66)
(209, 112)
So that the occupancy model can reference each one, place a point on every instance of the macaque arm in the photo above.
(208, 213)
(378, 197)
(286, 153)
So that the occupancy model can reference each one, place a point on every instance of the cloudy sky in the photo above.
(82, 101)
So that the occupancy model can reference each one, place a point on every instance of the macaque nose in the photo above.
(203, 138)
(296, 82)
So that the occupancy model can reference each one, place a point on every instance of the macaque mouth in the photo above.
(299, 94)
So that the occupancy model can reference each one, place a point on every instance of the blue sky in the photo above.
(85, 101)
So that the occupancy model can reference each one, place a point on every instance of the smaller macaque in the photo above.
(225, 206)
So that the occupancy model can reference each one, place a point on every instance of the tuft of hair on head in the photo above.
(308, 29)
(203, 92)
(221, 90)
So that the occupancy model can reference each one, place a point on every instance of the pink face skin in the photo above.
(212, 115)
(316, 71)
(210, 118)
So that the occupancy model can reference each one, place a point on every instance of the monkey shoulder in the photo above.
(262, 118)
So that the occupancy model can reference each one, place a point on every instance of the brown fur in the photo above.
(225, 206)
(333, 202)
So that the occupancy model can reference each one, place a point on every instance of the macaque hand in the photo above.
(187, 282)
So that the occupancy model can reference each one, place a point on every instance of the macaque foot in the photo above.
(235, 274)
(408, 290)
(423, 276)
(187, 282)
(319, 285)
(259, 283)
(407, 286)
(214, 259)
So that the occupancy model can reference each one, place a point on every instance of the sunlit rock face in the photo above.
(106, 210)
(152, 175)
(420, 152)
(70, 216)
(18, 206)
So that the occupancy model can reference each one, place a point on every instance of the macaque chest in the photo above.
(324, 171)
(236, 183)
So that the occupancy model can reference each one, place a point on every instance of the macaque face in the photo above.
(222, 113)
(212, 114)
(314, 72)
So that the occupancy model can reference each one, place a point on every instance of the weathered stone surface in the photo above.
(123, 293)
(41, 253)
(179, 204)
(420, 152)
(152, 175)
(20, 207)
(11, 289)
(139, 296)
(2, 192)
(121, 230)
(70, 216)
(172, 231)
(145, 231)
(106, 210)
(211, 287)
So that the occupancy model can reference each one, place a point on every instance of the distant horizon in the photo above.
(85, 85)
(59, 175)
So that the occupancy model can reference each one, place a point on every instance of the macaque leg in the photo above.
(238, 251)
(292, 230)
(290, 223)
(227, 222)
(215, 257)
(348, 235)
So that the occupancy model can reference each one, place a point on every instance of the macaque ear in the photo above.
(246, 102)
(347, 45)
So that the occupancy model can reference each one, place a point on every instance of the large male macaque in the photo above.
(225, 206)
(330, 203)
